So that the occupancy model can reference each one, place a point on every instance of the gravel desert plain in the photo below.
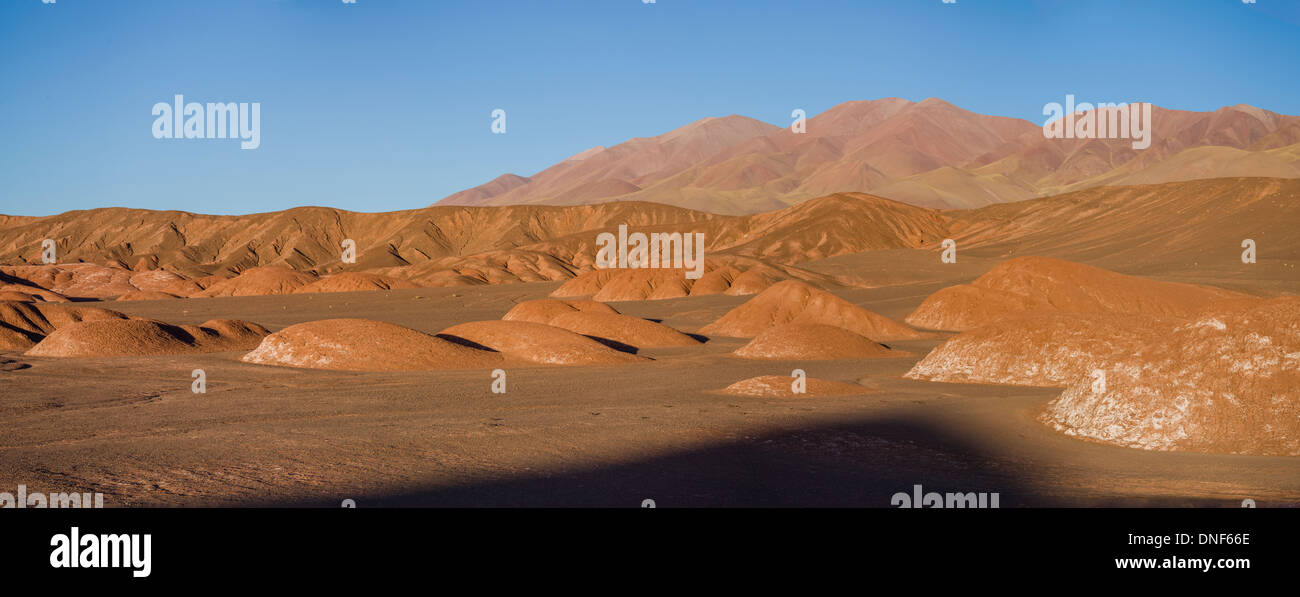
(1133, 340)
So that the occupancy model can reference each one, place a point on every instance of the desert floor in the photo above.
(131, 428)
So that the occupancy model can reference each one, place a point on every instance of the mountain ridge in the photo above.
(930, 153)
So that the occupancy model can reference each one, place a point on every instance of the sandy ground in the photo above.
(131, 428)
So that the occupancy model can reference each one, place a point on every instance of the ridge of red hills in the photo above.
(1190, 231)
(1098, 280)
(929, 153)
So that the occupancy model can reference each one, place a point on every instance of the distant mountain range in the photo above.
(929, 153)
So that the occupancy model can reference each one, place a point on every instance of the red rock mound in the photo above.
(134, 337)
(154, 280)
(365, 345)
(1029, 284)
(645, 284)
(354, 281)
(782, 386)
(86, 280)
(259, 281)
(544, 310)
(746, 276)
(218, 335)
(624, 329)
(1038, 349)
(585, 284)
(813, 341)
(537, 343)
(1227, 382)
(22, 297)
(751, 282)
(792, 301)
(716, 281)
(23, 324)
(146, 295)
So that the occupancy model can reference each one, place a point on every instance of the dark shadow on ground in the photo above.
(862, 464)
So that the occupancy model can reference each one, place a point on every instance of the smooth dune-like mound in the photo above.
(354, 281)
(1029, 284)
(793, 301)
(133, 337)
(624, 329)
(645, 284)
(1038, 349)
(32, 292)
(23, 324)
(715, 281)
(585, 284)
(146, 295)
(259, 281)
(219, 335)
(782, 386)
(537, 343)
(750, 282)
(112, 338)
(365, 345)
(544, 310)
(812, 341)
(720, 277)
(1223, 383)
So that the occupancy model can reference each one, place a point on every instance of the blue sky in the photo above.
(385, 104)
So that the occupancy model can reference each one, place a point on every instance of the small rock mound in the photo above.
(782, 386)
(135, 337)
(751, 282)
(793, 301)
(27, 293)
(624, 329)
(1028, 284)
(716, 281)
(23, 324)
(585, 284)
(365, 345)
(353, 282)
(220, 335)
(638, 284)
(812, 341)
(645, 284)
(544, 310)
(146, 295)
(537, 343)
(259, 281)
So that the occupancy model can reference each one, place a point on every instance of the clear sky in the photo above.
(385, 104)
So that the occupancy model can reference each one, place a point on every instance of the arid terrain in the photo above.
(476, 355)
